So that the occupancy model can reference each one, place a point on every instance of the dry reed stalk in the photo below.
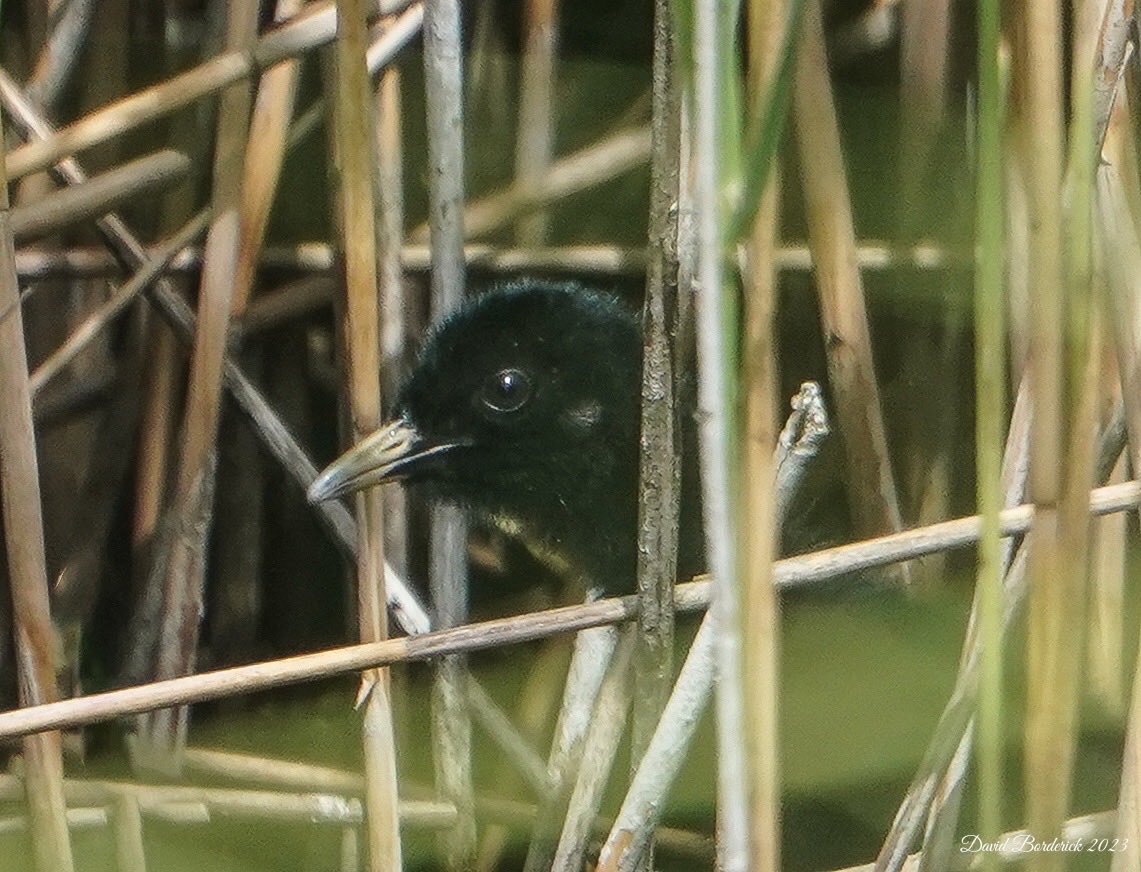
(1055, 576)
(592, 165)
(716, 332)
(1122, 255)
(390, 36)
(273, 107)
(990, 342)
(33, 632)
(128, 826)
(935, 792)
(766, 23)
(353, 154)
(594, 651)
(99, 195)
(600, 746)
(629, 837)
(517, 747)
(642, 806)
(534, 145)
(305, 806)
(315, 259)
(660, 446)
(1098, 825)
(832, 240)
(1017, 238)
(1105, 642)
(313, 28)
(273, 433)
(691, 596)
(925, 57)
(236, 604)
(77, 819)
(390, 278)
(162, 736)
(534, 711)
(271, 772)
(447, 567)
(61, 52)
(98, 320)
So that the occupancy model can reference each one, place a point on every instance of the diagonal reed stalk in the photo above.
(692, 596)
(843, 311)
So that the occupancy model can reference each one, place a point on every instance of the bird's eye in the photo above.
(507, 391)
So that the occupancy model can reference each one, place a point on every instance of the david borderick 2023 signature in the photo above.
(1025, 843)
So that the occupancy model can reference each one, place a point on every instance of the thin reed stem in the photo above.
(447, 568)
(353, 153)
(990, 392)
(34, 634)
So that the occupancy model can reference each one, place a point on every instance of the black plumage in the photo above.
(524, 407)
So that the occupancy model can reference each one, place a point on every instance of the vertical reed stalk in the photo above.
(766, 23)
(390, 276)
(537, 111)
(236, 607)
(1048, 752)
(660, 475)
(717, 329)
(451, 722)
(163, 734)
(353, 150)
(27, 571)
(990, 399)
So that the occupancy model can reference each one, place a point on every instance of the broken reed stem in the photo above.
(536, 125)
(33, 633)
(692, 596)
(447, 566)
(842, 307)
(162, 736)
(353, 154)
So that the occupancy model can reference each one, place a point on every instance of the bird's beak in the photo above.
(394, 451)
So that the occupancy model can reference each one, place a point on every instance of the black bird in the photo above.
(524, 408)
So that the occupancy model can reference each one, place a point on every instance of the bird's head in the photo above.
(523, 406)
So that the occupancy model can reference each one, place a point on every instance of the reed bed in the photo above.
(225, 296)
